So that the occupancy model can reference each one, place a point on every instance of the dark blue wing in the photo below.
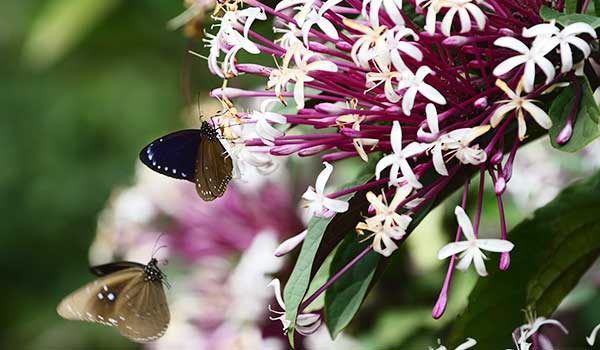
(174, 155)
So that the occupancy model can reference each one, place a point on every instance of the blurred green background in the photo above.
(84, 85)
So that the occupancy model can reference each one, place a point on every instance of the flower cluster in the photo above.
(432, 100)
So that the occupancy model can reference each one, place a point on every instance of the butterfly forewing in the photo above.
(96, 301)
(103, 270)
(213, 169)
(173, 155)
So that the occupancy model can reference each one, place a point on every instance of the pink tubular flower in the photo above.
(431, 105)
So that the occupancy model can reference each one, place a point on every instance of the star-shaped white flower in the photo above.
(531, 57)
(566, 37)
(519, 104)
(533, 325)
(306, 63)
(317, 202)
(459, 143)
(230, 41)
(263, 119)
(398, 159)
(435, 147)
(362, 51)
(313, 17)
(416, 83)
(392, 7)
(393, 45)
(387, 77)
(465, 9)
(383, 235)
(470, 249)
(306, 323)
(387, 213)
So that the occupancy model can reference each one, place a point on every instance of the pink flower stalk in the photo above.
(453, 96)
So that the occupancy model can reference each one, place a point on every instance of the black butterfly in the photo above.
(128, 295)
(195, 155)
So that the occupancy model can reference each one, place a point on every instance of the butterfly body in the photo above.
(128, 295)
(195, 155)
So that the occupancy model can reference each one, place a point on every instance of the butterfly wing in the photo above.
(123, 299)
(96, 301)
(213, 169)
(145, 310)
(106, 269)
(174, 155)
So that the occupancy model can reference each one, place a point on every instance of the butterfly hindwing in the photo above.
(213, 169)
(144, 306)
(174, 154)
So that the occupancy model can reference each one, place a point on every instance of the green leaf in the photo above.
(552, 251)
(344, 297)
(563, 19)
(298, 283)
(586, 128)
(548, 14)
(570, 6)
(597, 7)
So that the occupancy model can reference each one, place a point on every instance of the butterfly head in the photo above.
(208, 131)
(152, 272)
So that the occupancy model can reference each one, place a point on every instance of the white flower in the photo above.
(386, 77)
(263, 119)
(387, 214)
(532, 326)
(391, 47)
(243, 156)
(382, 234)
(398, 159)
(313, 17)
(469, 343)
(362, 52)
(392, 7)
(303, 10)
(519, 104)
(316, 201)
(459, 141)
(359, 143)
(306, 323)
(471, 248)
(230, 41)
(436, 146)
(566, 37)
(306, 62)
(530, 57)
(415, 83)
(465, 9)
(290, 36)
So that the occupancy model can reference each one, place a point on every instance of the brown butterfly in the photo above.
(128, 295)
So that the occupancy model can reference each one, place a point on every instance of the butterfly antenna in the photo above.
(154, 249)
(158, 249)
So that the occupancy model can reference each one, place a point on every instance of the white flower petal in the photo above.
(452, 249)
(538, 114)
(323, 177)
(495, 245)
(464, 222)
